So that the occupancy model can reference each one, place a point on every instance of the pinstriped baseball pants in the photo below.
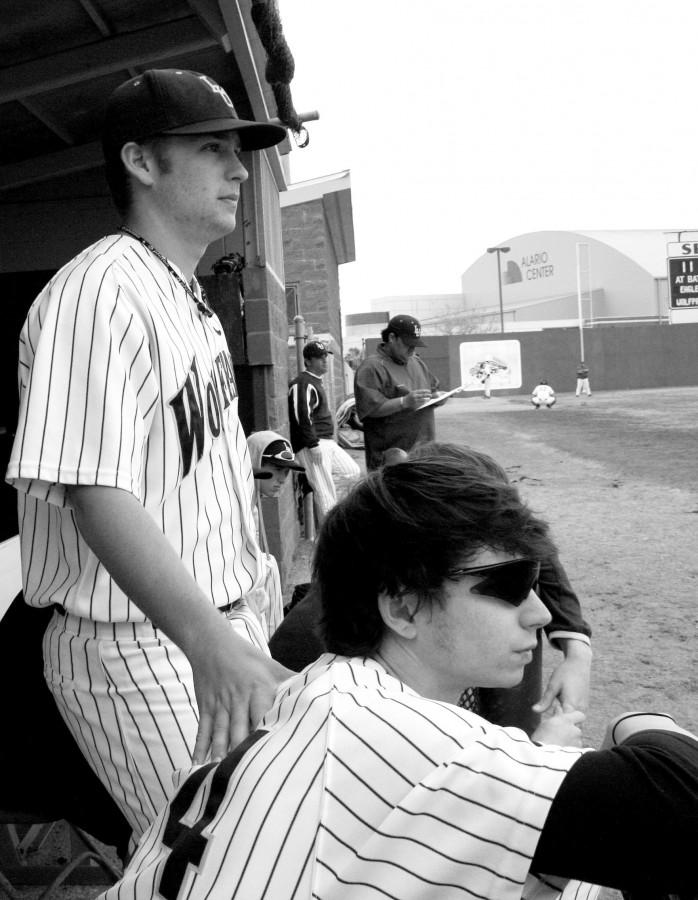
(329, 475)
(127, 694)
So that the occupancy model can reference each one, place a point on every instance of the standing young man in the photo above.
(134, 479)
(390, 387)
(312, 431)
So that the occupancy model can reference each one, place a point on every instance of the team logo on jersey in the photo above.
(197, 407)
(217, 89)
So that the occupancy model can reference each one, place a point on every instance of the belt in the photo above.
(62, 611)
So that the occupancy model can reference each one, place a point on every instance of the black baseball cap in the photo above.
(279, 453)
(315, 348)
(407, 328)
(178, 101)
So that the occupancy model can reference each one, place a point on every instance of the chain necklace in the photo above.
(201, 302)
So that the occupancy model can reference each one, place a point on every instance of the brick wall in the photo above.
(310, 263)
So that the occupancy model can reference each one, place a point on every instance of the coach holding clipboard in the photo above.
(390, 388)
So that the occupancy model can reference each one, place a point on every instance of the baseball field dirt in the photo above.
(616, 475)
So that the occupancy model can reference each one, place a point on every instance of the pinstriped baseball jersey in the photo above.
(124, 384)
(360, 789)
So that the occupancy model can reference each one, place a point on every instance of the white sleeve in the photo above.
(87, 389)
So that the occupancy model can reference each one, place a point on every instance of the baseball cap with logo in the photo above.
(177, 101)
(279, 453)
(315, 348)
(407, 328)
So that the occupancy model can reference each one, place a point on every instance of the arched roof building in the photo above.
(620, 276)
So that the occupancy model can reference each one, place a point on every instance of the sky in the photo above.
(467, 122)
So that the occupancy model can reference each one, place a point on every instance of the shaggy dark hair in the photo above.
(404, 527)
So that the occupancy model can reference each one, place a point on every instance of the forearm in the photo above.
(576, 650)
(234, 681)
(389, 408)
(142, 562)
(570, 680)
(407, 403)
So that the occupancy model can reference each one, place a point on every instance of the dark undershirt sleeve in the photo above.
(556, 592)
(627, 817)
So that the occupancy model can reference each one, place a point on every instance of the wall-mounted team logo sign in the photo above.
(494, 364)
(217, 89)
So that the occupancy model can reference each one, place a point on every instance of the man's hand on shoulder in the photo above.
(235, 686)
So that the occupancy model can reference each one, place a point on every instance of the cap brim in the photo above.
(253, 135)
(414, 342)
(285, 464)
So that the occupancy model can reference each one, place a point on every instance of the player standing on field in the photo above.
(583, 380)
(134, 479)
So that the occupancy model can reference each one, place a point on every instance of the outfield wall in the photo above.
(620, 357)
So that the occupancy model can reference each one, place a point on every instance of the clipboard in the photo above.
(443, 395)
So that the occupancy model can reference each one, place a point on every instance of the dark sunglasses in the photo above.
(510, 581)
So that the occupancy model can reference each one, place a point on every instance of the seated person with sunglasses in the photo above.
(365, 780)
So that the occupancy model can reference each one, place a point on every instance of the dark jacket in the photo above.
(308, 412)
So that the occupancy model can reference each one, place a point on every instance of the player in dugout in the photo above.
(366, 780)
(133, 475)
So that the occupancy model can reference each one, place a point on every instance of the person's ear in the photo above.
(398, 613)
(138, 162)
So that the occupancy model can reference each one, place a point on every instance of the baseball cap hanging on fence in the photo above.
(407, 328)
(178, 101)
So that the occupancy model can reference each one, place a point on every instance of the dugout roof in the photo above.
(62, 59)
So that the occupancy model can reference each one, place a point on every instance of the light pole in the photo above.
(498, 251)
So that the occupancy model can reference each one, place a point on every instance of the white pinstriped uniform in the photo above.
(123, 383)
(361, 789)
(329, 475)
